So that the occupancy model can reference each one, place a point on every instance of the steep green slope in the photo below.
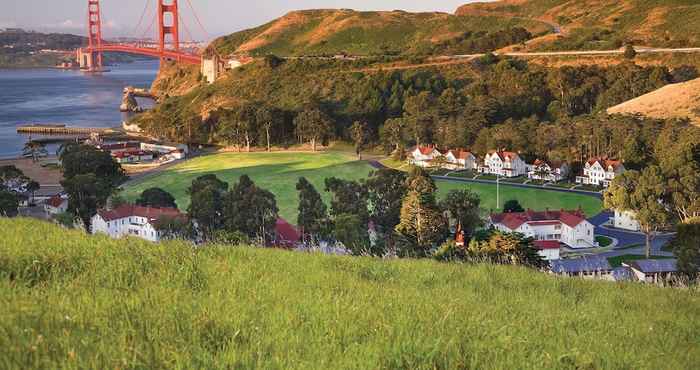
(316, 32)
(605, 23)
(72, 301)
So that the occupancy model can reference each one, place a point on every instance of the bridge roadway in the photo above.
(171, 54)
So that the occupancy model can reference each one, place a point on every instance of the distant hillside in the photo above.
(603, 24)
(75, 301)
(672, 101)
(316, 32)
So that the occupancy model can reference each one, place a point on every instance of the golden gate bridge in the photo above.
(168, 45)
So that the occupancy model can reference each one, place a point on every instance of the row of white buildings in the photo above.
(596, 171)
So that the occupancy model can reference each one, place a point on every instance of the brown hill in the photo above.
(672, 101)
(601, 24)
(331, 31)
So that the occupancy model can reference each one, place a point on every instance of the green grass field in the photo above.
(279, 172)
(276, 172)
(68, 300)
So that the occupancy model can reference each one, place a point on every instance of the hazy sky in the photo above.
(120, 17)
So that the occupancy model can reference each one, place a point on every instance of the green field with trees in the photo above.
(279, 172)
(70, 300)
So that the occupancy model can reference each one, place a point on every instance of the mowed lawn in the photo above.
(279, 172)
(276, 172)
(535, 199)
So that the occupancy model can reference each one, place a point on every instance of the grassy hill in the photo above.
(604, 24)
(673, 101)
(68, 300)
(279, 172)
(326, 31)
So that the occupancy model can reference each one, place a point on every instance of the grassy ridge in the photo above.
(72, 301)
(279, 172)
(315, 32)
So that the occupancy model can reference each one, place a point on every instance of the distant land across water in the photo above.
(65, 97)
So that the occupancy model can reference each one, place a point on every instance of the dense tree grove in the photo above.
(493, 102)
(156, 197)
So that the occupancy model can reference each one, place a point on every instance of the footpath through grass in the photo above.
(277, 172)
(68, 300)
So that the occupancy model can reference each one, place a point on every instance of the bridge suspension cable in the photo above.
(134, 32)
(199, 21)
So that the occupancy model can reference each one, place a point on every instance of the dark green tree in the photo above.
(250, 210)
(313, 213)
(86, 159)
(352, 232)
(349, 197)
(267, 118)
(512, 206)
(156, 197)
(686, 247)
(313, 125)
(86, 194)
(206, 204)
(360, 136)
(463, 207)
(630, 52)
(507, 249)
(8, 203)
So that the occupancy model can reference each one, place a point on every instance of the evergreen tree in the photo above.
(422, 226)
(156, 197)
(250, 210)
(463, 207)
(312, 125)
(359, 134)
(512, 206)
(312, 210)
(686, 246)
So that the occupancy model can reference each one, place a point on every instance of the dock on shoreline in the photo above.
(59, 129)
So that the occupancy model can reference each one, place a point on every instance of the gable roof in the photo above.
(546, 244)
(286, 233)
(503, 155)
(605, 162)
(128, 210)
(654, 266)
(426, 149)
(460, 153)
(516, 219)
(588, 264)
(55, 201)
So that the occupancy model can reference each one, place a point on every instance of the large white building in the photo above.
(501, 163)
(625, 220)
(423, 155)
(130, 220)
(600, 172)
(461, 159)
(567, 227)
(548, 171)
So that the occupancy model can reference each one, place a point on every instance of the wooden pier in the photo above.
(59, 129)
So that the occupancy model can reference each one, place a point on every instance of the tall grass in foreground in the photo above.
(69, 300)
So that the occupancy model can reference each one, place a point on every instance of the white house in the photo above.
(548, 171)
(132, 156)
(508, 164)
(567, 227)
(130, 220)
(422, 156)
(548, 249)
(56, 205)
(625, 220)
(461, 159)
(600, 172)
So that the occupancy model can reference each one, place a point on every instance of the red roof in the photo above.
(505, 155)
(461, 154)
(605, 162)
(117, 146)
(426, 149)
(546, 244)
(128, 210)
(516, 219)
(55, 201)
(286, 233)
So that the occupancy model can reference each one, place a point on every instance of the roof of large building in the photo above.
(426, 149)
(119, 146)
(605, 162)
(654, 266)
(55, 201)
(503, 155)
(590, 264)
(128, 210)
(286, 233)
(516, 219)
(546, 244)
(460, 153)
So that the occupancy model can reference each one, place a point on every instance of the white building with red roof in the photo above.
(600, 171)
(131, 220)
(502, 163)
(423, 155)
(461, 159)
(553, 171)
(567, 227)
(132, 156)
(56, 205)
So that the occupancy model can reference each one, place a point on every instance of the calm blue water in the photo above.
(66, 97)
